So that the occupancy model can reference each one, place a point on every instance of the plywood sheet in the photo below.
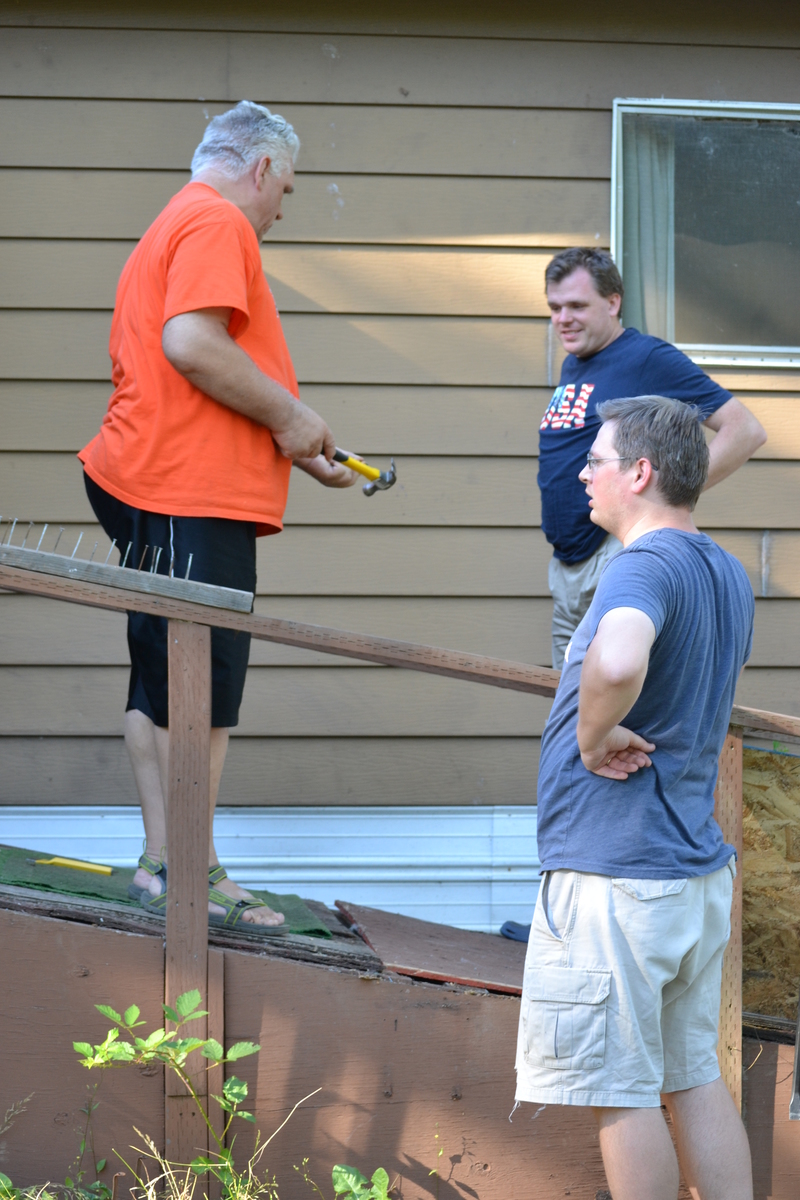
(325, 348)
(333, 207)
(281, 701)
(311, 68)
(370, 419)
(424, 950)
(342, 138)
(264, 771)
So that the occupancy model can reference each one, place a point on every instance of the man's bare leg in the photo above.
(148, 747)
(638, 1154)
(712, 1143)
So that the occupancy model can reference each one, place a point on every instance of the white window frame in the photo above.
(706, 355)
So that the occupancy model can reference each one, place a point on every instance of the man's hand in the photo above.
(198, 345)
(330, 474)
(612, 676)
(619, 754)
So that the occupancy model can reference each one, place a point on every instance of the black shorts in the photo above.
(224, 553)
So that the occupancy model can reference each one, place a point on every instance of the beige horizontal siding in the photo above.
(289, 771)
(343, 138)
(436, 176)
(315, 69)
(281, 702)
(324, 208)
(465, 491)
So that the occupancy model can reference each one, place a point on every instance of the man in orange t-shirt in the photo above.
(194, 453)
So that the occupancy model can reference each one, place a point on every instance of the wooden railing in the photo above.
(188, 831)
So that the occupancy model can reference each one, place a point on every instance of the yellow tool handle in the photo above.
(355, 464)
(76, 863)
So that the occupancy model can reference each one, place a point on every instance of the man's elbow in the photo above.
(179, 346)
(758, 434)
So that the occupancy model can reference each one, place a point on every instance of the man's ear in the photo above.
(614, 304)
(262, 170)
(644, 476)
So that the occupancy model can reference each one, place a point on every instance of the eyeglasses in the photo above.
(593, 463)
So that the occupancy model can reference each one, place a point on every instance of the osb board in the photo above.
(54, 972)
(771, 921)
(425, 950)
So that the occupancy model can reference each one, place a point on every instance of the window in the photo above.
(706, 227)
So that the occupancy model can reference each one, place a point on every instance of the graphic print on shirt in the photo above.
(564, 411)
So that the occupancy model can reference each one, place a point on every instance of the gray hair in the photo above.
(235, 140)
(668, 433)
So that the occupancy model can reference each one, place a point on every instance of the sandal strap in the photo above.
(216, 875)
(151, 865)
(234, 909)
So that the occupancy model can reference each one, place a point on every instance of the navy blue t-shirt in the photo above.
(657, 824)
(633, 365)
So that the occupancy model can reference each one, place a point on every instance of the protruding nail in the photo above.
(41, 539)
(80, 538)
(127, 552)
(188, 566)
(111, 551)
(94, 551)
(27, 534)
(172, 567)
(144, 556)
(154, 567)
(11, 533)
(58, 539)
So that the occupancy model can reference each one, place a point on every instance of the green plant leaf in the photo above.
(188, 1002)
(171, 1014)
(246, 1117)
(224, 1104)
(100, 1166)
(109, 1012)
(234, 1090)
(83, 1048)
(201, 1164)
(195, 1016)
(5, 1181)
(130, 1015)
(348, 1181)
(213, 1050)
(155, 1038)
(241, 1050)
(380, 1185)
(68, 1182)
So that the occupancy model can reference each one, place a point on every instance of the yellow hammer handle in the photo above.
(355, 464)
(96, 868)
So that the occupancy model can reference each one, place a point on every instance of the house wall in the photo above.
(445, 155)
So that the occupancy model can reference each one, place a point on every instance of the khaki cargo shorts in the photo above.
(621, 994)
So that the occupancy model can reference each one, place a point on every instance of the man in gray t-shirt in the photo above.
(622, 982)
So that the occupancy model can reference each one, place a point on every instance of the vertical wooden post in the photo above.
(187, 842)
(728, 812)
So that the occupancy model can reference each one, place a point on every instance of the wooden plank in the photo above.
(263, 771)
(424, 950)
(374, 420)
(412, 561)
(507, 72)
(279, 702)
(133, 579)
(38, 273)
(415, 209)
(728, 814)
(61, 969)
(326, 348)
(216, 1030)
(188, 833)
(345, 138)
(35, 630)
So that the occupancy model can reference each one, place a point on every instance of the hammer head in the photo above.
(386, 480)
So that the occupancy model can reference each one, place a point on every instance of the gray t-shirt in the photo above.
(659, 823)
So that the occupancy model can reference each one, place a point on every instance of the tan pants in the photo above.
(573, 586)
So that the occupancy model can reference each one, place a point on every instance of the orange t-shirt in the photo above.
(165, 446)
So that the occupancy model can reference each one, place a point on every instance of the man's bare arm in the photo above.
(738, 434)
(612, 676)
(198, 345)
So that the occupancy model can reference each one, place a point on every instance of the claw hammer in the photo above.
(379, 481)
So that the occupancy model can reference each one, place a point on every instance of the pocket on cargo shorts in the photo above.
(564, 1017)
(650, 889)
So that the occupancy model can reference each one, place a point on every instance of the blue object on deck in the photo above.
(515, 931)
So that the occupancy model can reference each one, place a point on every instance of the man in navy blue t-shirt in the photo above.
(621, 992)
(606, 362)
